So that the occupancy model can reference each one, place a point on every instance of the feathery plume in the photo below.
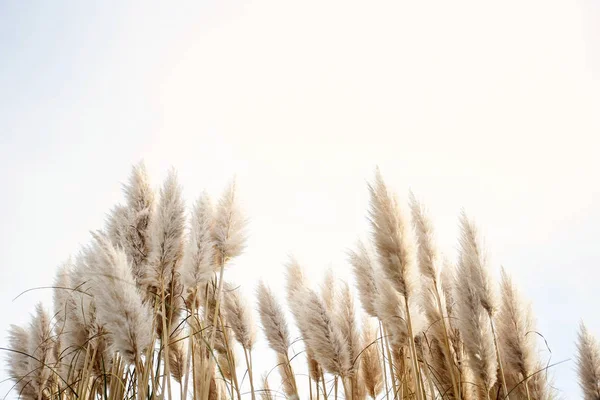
(265, 393)
(229, 230)
(296, 283)
(428, 254)
(329, 290)
(60, 296)
(588, 364)
(370, 360)
(324, 339)
(364, 274)
(393, 238)
(517, 341)
(198, 265)
(239, 315)
(117, 222)
(177, 354)
(40, 349)
(296, 291)
(273, 320)
(390, 311)
(473, 261)
(82, 331)
(119, 304)
(474, 325)
(167, 234)
(133, 223)
(345, 319)
(18, 362)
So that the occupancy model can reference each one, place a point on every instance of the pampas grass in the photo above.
(144, 311)
(588, 364)
(119, 305)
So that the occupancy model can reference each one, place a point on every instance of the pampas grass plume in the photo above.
(588, 364)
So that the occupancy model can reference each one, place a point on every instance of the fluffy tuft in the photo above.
(393, 238)
(588, 364)
(229, 232)
(273, 320)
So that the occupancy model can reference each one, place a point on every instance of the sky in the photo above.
(490, 107)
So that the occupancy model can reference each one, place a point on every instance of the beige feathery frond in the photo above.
(221, 345)
(239, 316)
(296, 283)
(516, 332)
(178, 353)
(474, 260)
(442, 358)
(428, 254)
(265, 392)
(198, 265)
(370, 359)
(391, 311)
(41, 342)
(393, 238)
(117, 221)
(118, 301)
(132, 224)
(60, 295)
(296, 291)
(81, 316)
(588, 364)
(273, 320)
(322, 336)
(364, 275)
(345, 319)
(225, 365)
(18, 362)
(474, 324)
(448, 278)
(167, 229)
(329, 290)
(229, 231)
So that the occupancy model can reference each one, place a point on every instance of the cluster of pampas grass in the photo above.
(144, 311)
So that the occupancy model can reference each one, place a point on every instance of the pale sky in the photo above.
(490, 106)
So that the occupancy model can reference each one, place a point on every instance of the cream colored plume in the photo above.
(473, 259)
(273, 321)
(167, 234)
(18, 362)
(364, 274)
(323, 337)
(588, 364)
(40, 350)
(474, 324)
(130, 226)
(393, 238)
(428, 254)
(198, 265)
(229, 229)
(516, 331)
(119, 304)
(239, 316)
